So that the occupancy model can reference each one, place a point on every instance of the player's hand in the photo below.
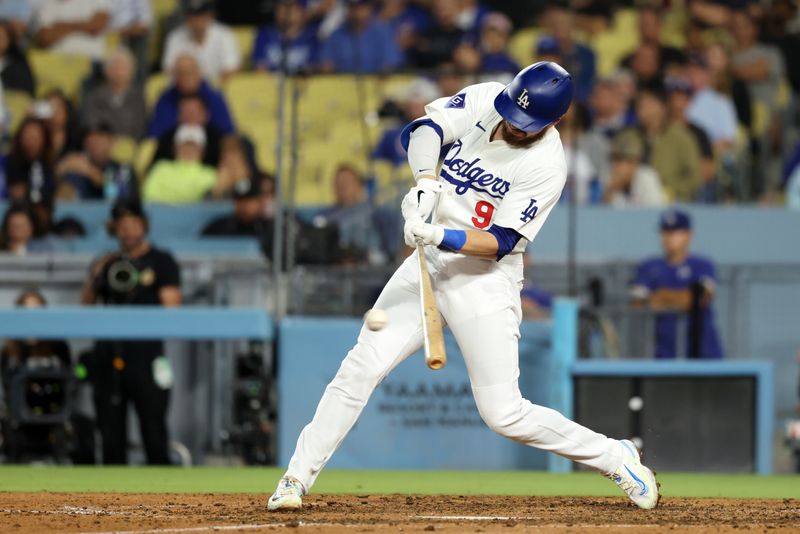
(430, 234)
(418, 202)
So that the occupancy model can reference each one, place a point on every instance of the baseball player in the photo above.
(497, 185)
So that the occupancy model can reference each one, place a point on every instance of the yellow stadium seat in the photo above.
(329, 100)
(252, 98)
(245, 36)
(124, 149)
(17, 104)
(144, 155)
(613, 45)
(523, 45)
(59, 71)
(154, 86)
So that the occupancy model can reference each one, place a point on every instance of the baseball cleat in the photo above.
(288, 495)
(635, 479)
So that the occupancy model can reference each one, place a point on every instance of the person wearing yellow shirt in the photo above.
(185, 179)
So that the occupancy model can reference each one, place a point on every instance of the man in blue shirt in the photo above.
(188, 80)
(680, 287)
(362, 44)
(290, 35)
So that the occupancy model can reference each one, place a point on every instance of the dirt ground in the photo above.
(182, 513)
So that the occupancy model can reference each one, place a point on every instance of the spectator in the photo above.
(92, 173)
(15, 72)
(663, 139)
(472, 16)
(679, 92)
(726, 82)
(644, 64)
(30, 175)
(411, 103)
(118, 102)
(495, 32)
(583, 179)
(187, 80)
(450, 80)
(578, 59)
(630, 183)
(249, 216)
(436, 44)
(680, 287)
(192, 111)
(365, 232)
(213, 44)
(62, 122)
(234, 165)
(18, 14)
(608, 110)
(650, 35)
(781, 30)
(132, 20)
(132, 371)
(761, 68)
(405, 20)
(290, 39)
(186, 179)
(17, 233)
(362, 44)
(73, 26)
(709, 109)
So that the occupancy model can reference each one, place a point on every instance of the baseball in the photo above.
(376, 319)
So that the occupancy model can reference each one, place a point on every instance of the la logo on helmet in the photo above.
(523, 101)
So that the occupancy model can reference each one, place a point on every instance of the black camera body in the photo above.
(117, 282)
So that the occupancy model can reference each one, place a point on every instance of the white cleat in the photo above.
(288, 495)
(636, 479)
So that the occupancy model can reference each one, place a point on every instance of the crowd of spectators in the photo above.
(703, 109)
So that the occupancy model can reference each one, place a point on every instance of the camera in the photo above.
(117, 282)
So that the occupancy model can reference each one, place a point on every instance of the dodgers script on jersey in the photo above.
(489, 182)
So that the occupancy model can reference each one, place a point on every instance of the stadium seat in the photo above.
(154, 86)
(245, 36)
(124, 149)
(143, 156)
(613, 45)
(523, 45)
(17, 103)
(59, 71)
(252, 98)
(347, 98)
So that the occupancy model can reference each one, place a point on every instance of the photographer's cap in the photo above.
(195, 7)
(190, 133)
(127, 207)
(675, 219)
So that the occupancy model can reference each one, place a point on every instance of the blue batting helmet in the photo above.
(536, 97)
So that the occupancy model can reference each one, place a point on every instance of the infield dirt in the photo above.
(156, 513)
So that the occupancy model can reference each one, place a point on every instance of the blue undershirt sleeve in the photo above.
(507, 239)
(405, 135)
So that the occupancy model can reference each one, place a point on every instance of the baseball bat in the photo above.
(432, 334)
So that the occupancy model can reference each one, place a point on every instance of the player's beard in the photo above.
(517, 138)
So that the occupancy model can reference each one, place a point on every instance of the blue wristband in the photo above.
(454, 239)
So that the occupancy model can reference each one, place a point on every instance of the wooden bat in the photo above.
(432, 334)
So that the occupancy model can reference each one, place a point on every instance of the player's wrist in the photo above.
(453, 239)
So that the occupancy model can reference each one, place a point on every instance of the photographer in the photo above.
(137, 371)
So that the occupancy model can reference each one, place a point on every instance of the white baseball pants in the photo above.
(479, 300)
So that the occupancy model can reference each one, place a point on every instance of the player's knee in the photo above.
(359, 374)
(500, 411)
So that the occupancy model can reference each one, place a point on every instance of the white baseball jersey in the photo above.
(489, 182)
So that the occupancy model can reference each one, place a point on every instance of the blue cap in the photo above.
(538, 96)
(675, 219)
(548, 45)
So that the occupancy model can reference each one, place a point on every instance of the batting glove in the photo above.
(418, 202)
(430, 234)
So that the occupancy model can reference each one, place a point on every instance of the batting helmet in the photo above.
(536, 97)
